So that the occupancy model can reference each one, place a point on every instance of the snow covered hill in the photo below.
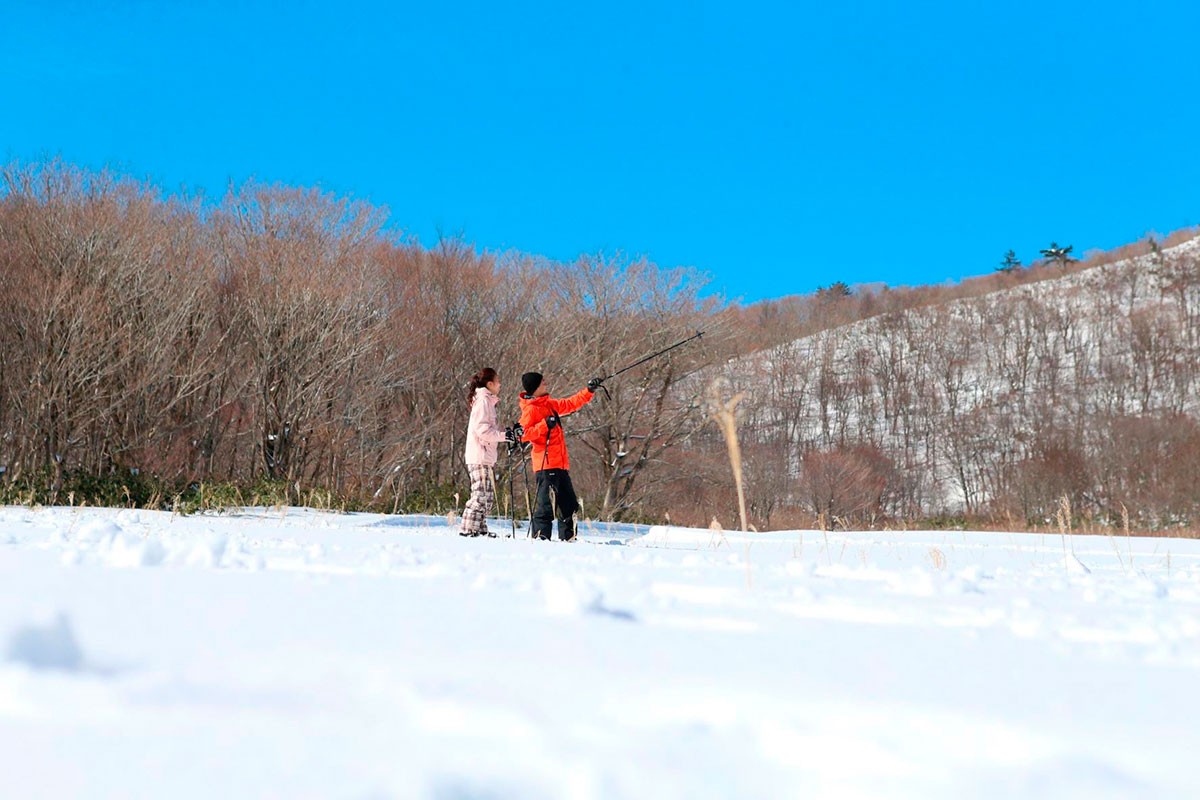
(1005, 402)
(297, 654)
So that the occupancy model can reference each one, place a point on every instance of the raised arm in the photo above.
(567, 405)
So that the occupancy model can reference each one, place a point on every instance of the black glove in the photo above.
(511, 436)
(552, 421)
(518, 431)
(594, 384)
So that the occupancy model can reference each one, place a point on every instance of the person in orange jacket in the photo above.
(541, 417)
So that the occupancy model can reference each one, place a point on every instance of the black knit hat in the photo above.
(530, 382)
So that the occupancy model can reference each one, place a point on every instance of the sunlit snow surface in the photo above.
(295, 654)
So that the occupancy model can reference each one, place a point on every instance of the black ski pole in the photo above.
(515, 447)
(528, 504)
(652, 356)
(512, 505)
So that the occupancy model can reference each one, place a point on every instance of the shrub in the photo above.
(848, 484)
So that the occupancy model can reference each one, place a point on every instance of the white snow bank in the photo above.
(390, 657)
(127, 550)
(207, 551)
(139, 544)
(96, 532)
(674, 536)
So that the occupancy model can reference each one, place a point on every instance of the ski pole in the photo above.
(550, 486)
(528, 504)
(512, 506)
(665, 350)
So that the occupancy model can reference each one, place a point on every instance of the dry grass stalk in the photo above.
(718, 533)
(1113, 539)
(1063, 516)
(1128, 535)
(823, 524)
(723, 412)
(938, 558)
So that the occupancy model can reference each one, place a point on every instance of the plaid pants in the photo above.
(483, 495)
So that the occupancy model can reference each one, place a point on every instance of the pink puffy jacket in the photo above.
(482, 432)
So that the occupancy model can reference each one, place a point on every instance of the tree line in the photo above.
(288, 337)
(284, 341)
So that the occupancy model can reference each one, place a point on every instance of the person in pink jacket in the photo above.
(483, 434)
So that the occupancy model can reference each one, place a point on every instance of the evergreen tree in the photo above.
(1059, 255)
(835, 291)
(1010, 264)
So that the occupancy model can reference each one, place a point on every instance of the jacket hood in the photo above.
(483, 392)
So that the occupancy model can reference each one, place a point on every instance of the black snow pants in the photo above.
(555, 498)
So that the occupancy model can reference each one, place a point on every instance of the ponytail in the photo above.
(478, 381)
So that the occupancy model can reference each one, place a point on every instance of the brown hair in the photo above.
(478, 380)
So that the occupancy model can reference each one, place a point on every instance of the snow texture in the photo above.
(309, 655)
(46, 645)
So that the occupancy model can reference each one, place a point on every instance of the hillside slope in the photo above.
(1084, 387)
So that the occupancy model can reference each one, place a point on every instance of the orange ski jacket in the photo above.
(534, 411)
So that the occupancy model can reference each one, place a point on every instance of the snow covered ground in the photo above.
(296, 654)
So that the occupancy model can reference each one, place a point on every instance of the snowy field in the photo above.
(295, 654)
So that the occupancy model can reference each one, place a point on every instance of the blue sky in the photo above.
(775, 146)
